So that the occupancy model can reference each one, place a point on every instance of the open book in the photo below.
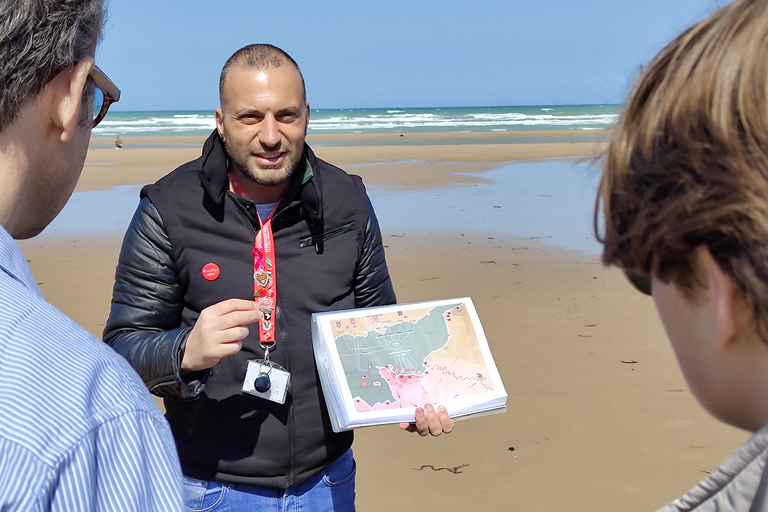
(377, 365)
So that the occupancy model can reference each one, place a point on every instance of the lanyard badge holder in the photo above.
(264, 378)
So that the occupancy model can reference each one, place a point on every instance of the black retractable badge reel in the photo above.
(262, 383)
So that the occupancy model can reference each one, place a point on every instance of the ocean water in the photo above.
(391, 120)
(548, 202)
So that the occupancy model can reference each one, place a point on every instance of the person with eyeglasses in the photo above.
(78, 429)
(682, 208)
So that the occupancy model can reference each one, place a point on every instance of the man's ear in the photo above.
(306, 125)
(219, 116)
(728, 306)
(65, 94)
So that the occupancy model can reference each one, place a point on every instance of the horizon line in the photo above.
(390, 108)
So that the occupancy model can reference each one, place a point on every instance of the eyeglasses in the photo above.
(640, 281)
(105, 93)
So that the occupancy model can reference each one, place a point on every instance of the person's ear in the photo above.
(66, 95)
(728, 306)
(219, 116)
(306, 124)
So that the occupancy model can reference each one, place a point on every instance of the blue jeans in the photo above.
(331, 490)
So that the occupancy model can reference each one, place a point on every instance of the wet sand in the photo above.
(598, 414)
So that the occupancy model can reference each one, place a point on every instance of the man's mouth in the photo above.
(270, 159)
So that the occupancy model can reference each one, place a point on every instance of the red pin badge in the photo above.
(211, 271)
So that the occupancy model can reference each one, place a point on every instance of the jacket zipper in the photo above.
(291, 421)
(316, 239)
(254, 231)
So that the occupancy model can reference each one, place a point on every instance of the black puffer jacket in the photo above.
(329, 257)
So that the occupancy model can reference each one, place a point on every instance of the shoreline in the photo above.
(426, 135)
(411, 165)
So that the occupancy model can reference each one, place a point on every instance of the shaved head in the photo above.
(258, 57)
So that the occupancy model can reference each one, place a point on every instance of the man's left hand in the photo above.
(429, 421)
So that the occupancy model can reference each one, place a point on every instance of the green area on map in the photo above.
(399, 343)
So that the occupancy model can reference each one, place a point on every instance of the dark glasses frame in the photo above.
(108, 88)
(642, 282)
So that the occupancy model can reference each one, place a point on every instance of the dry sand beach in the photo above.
(599, 417)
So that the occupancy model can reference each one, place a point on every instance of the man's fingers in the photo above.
(446, 422)
(229, 349)
(233, 334)
(218, 333)
(229, 306)
(433, 422)
(421, 426)
(430, 421)
(230, 313)
(240, 318)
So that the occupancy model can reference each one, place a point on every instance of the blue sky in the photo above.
(167, 54)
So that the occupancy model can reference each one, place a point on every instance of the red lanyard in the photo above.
(264, 275)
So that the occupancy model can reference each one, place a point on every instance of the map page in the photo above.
(381, 363)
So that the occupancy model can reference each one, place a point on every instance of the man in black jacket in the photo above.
(222, 266)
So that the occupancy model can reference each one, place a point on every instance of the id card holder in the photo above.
(278, 378)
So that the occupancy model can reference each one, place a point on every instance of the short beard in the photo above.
(266, 179)
(268, 176)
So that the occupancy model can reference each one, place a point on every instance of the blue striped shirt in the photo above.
(78, 429)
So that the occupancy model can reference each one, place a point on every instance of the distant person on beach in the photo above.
(118, 143)
(78, 429)
(684, 193)
(200, 248)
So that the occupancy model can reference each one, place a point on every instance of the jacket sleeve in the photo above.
(145, 318)
(373, 287)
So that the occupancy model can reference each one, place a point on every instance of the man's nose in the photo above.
(270, 132)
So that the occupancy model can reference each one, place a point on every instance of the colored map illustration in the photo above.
(412, 357)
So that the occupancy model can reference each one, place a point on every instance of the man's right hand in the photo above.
(218, 333)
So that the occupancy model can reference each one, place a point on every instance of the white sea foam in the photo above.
(478, 121)
(355, 120)
(176, 123)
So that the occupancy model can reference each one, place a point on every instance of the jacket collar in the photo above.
(213, 169)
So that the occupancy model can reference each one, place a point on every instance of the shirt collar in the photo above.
(13, 262)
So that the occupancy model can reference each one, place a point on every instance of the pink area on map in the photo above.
(438, 382)
(409, 390)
